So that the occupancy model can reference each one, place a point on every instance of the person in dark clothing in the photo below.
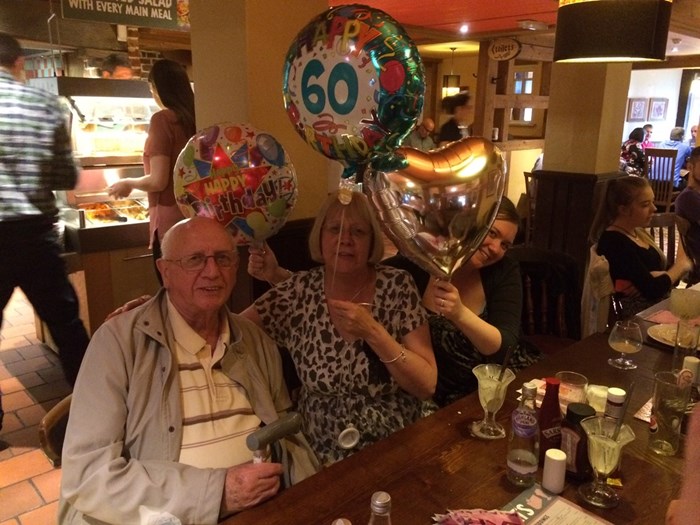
(457, 127)
(36, 158)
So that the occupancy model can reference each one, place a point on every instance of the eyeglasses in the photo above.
(356, 232)
(197, 261)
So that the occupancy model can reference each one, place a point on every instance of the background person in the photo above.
(637, 266)
(648, 131)
(182, 382)
(116, 66)
(687, 205)
(421, 137)
(632, 154)
(35, 158)
(682, 153)
(168, 133)
(355, 330)
(457, 127)
(476, 316)
(692, 141)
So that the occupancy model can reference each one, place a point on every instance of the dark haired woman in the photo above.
(632, 154)
(457, 127)
(476, 315)
(168, 133)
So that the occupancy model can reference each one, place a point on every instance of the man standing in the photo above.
(692, 141)
(421, 137)
(116, 66)
(35, 158)
(682, 154)
(177, 384)
(687, 206)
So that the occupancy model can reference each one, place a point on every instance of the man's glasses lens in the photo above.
(199, 261)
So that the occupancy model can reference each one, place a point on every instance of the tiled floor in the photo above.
(31, 382)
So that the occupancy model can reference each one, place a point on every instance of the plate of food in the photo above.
(663, 333)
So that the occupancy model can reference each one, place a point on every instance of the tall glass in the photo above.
(626, 338)
(492, 393)
(604, 449)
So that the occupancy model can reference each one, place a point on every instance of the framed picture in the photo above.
(657, 108)
(636, 109)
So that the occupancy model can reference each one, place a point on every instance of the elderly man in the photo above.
(682, 154)
(167, 395)
(420, 138)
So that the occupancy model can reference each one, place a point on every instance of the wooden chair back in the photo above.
(663, 230)
(531, 196)
(659, 169)
(551, 293)
(52, 430)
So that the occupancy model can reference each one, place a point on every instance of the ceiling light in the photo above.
(532, 25)
(598, 30)
(464, 29)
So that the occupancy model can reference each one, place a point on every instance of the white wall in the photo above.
(655, 83)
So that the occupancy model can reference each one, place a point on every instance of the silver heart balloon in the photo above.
(438, 209)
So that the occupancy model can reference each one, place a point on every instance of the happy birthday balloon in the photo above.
(239, 176)
(353, 84)
(439, 207)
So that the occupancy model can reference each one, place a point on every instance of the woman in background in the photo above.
(632, 154)
(457, 127)
(637, 265)
(168, 133)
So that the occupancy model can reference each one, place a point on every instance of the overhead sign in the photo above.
(503, 49)
(166, 14)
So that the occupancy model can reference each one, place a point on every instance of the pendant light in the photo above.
(612, 30)
(450, 83)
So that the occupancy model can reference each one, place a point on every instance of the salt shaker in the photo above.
(554, 470)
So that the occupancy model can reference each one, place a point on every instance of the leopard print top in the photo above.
(343, 383)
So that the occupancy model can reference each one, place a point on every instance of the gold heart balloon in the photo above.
(438, 209)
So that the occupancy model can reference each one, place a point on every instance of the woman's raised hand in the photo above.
(263, 265)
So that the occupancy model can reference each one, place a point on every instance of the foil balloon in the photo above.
(438, 208)
(353, 84)
(238, 175)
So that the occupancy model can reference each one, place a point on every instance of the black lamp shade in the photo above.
(612, 30)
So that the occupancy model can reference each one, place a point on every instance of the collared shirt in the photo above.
(682, 155)
(35, 151)
(217, 415)
(414, 140)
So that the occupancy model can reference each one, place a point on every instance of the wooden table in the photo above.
(435, 465)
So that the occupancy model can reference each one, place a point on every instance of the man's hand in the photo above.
(249, 484)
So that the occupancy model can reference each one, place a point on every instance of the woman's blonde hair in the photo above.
(361, 207)
(620, 192)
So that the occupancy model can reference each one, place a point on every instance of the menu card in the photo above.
(537, 506)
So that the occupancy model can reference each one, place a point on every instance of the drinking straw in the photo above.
(625, 404)
(509, 353)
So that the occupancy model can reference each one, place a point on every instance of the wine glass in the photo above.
(492, 393)
(626, 338)
(606, 437)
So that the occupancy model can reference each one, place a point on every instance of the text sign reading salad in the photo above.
(169, 14)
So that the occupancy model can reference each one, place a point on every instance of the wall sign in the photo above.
(503, 49)
(167, 14)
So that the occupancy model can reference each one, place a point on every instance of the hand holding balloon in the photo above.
(263, 265)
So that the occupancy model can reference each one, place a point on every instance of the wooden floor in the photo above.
(31, 382)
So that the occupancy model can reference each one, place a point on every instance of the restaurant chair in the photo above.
(530, 197)
(662, 229)
(52, 430)
(551, 297)
(596, 298)
(659, 169)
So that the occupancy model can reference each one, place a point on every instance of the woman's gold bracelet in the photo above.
(402, 356)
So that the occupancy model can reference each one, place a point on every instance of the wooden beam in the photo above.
(521, 101)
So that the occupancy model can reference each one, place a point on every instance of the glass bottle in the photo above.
(524, 442)
(615, 402)
(574, 441)
(381, 509)
(550, 418)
